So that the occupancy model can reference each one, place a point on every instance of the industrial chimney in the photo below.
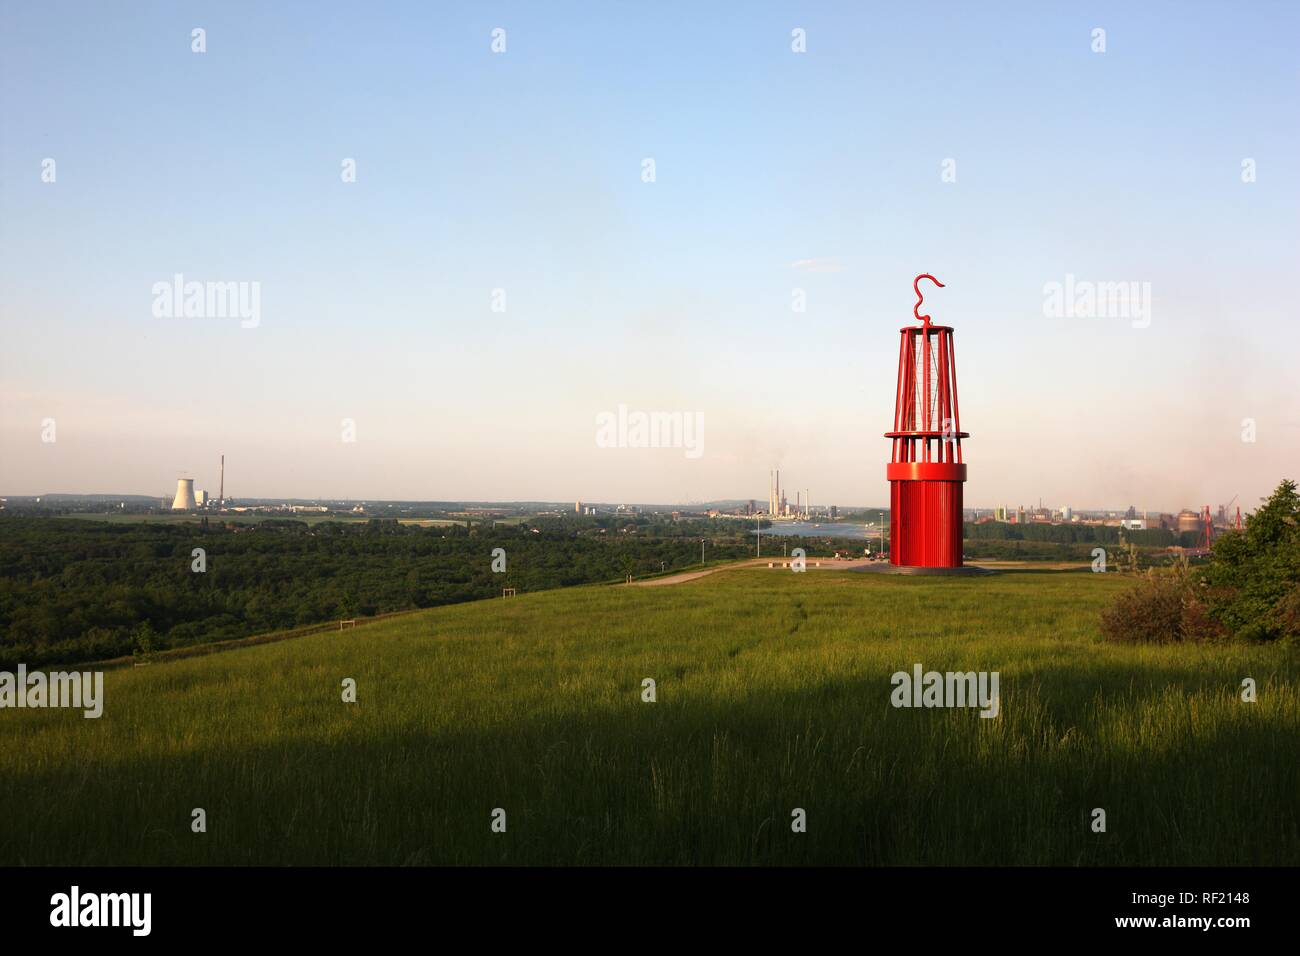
(926, 471)
(184, 500)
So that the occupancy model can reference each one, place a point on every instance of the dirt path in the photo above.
(830, 564)
(1002, 564)
(814, 564)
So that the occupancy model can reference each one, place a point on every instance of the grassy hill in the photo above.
(773, 693)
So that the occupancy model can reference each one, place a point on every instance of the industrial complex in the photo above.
(187, 499)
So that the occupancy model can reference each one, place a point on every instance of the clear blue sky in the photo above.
(522, 171)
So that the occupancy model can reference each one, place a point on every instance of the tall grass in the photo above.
(773, 693)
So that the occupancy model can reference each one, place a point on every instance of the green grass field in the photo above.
(773, 693)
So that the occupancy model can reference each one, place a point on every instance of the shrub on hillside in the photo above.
(1166, 607)
(1287, 616)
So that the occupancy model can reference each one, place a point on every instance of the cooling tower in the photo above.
(184, 495)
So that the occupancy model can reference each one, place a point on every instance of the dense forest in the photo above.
(1067, 542)
(1080, 534)
(75, 591)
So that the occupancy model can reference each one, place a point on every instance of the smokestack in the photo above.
(221, 492)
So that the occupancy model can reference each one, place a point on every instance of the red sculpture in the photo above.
(926, 471)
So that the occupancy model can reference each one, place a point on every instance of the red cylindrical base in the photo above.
(925, 524)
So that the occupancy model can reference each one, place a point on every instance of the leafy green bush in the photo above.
(1254, 576)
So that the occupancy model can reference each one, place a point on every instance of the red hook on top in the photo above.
(916, 284)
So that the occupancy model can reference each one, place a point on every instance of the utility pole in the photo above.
(701, 552)
(758, 538)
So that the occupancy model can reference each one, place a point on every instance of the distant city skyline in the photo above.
(463, 318)
(608, 506)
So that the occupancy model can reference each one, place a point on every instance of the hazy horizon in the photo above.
(516, 178)
(760, 502)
